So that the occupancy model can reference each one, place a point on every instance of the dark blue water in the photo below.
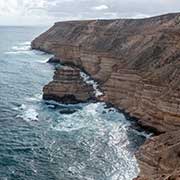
(39, 140)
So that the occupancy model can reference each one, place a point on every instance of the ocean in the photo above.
(41, 140)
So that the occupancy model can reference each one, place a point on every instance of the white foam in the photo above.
(112, 126)
(21, 48)
(90, 81)
(22, 107)
(73, 121)
(119, 141)
(90, 116)
(143, 133)
(18, 52)
(28, 113)
(36, 52)
(44, 61)
(25, 43)
(36, 98)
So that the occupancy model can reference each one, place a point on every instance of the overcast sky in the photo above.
(46, 12)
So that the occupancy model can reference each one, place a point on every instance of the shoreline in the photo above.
(135, 124)
(136, 63)
(108, 104)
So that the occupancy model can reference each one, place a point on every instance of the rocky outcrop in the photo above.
(156, 105)
(68, 87)
(159, 157)
(137, 63)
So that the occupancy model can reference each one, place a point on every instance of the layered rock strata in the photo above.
(137, 63)
(159, 157)
(68, 87)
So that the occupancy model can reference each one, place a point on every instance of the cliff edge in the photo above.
(137, 63)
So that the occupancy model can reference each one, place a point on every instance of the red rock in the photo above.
(159, 157)
(137, 63)
(68, 87)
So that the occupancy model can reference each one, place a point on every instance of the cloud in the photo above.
(100, 8)
(24, 12)
(34, 12)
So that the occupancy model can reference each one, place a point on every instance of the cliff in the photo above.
(137, 63)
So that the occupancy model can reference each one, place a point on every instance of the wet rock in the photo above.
(53, 60)
(67, 111)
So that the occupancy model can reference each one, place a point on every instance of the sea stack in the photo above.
(68, 87)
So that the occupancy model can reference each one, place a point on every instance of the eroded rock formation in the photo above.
(68, 87)
(159, 157)
(137, 63)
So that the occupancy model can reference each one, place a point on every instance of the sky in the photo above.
(46, 12)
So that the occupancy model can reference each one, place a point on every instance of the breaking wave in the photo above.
(90, 81)
(47, 140)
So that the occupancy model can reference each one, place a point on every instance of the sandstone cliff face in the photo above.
(68, 87)
(137, 59)
(137, 63)
(159, 157)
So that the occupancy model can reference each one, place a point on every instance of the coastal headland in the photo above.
(137, 66)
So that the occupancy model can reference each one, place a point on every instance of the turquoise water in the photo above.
(50, 141)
